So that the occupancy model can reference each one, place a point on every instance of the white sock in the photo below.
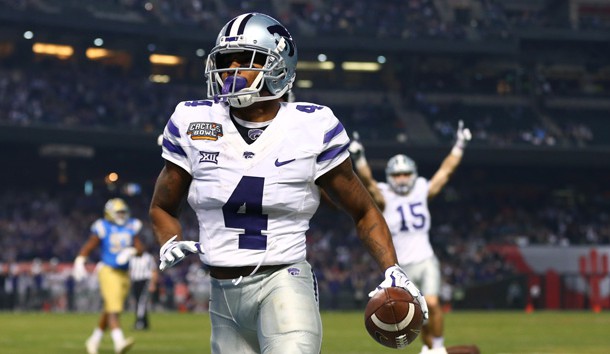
(438, 342)
(97, 335)
(424, 348)
(117, 336)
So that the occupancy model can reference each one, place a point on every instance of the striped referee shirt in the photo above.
(141, 268)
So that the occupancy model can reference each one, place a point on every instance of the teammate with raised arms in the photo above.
(403, 198)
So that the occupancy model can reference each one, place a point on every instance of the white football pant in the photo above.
(272, 312)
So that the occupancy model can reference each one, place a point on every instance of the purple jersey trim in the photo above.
(331, 153)
(173, 148)
(333, 133)
(172, 128)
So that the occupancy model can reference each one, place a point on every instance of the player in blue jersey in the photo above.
(116, 236)
(252, 167)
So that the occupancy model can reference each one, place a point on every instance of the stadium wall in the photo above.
(568, 277)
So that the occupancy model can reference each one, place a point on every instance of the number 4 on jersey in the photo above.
(244, 210)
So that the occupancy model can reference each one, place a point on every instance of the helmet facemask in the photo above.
(116, 211)
(401, 174)
(233, 88)
(269, 45)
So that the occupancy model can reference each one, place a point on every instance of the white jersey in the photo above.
(408, 218)
(254, 202)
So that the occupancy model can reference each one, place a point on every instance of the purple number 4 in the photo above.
(249, 194)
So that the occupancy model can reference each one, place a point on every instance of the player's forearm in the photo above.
(376, 237)
(172, 185)
(355, 199)
(88, 247)
(450, 163)
(441, 177)
(164, 225)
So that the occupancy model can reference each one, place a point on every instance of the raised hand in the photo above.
(356, 149)
(462, 135)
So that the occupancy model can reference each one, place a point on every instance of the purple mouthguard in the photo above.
(240, 83)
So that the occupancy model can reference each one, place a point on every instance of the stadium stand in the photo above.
(528, 77)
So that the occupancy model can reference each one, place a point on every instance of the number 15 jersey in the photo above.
(408, 218)
(254, 202)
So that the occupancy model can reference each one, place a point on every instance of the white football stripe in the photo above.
(398, 326)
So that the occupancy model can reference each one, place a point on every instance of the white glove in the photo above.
(462, 136)
(172, 252)
(395, 276)
(125, 255)
(356, 149)
(79, 272)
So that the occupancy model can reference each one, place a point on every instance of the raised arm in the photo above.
(451, 162)
(363, 170)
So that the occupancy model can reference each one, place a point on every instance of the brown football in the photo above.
(393, 317)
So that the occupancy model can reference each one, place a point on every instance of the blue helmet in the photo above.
(270, 45)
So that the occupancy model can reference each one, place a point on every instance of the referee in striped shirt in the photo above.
(144, 277)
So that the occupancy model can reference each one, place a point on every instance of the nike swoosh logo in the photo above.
(279, 163)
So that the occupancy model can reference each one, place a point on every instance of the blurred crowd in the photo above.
(83, 94)
(51, 225)
(470, 19)
(66, 94)
(70, 95)
(466, 221)
(75, 95)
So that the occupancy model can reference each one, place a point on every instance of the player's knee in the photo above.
(295, 343)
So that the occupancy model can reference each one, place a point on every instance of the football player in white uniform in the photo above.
(116, 236)
(404, 201)
(251, 166)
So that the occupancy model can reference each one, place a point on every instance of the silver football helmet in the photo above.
(269, 44)
(116, 211)
(400, 164)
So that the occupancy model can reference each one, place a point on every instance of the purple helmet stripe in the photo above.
(242, 25)
(173, 148)
(229, 26)
(333, 133)
(331, 153)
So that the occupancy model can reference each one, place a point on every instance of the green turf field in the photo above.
(344, 333)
